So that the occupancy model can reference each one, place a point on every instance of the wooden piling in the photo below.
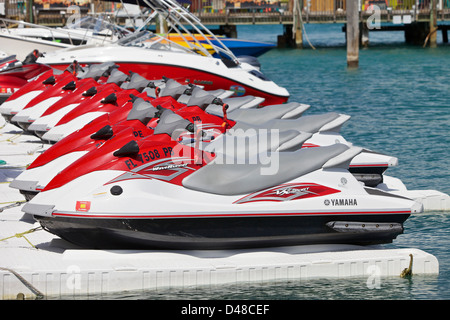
(433, 24)
(298, 25)
(364, 34)
(352, 34)
(29, 9)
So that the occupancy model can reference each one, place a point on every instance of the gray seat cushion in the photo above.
(311, 123)
(97, 70)
(142, 110)
(238, 179)
(261, 115)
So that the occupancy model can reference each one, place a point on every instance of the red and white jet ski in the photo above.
(158, 192)
(15, 74)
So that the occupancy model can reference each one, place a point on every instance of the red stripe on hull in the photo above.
(228, 215)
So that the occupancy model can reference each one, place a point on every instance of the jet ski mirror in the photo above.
(129, 149)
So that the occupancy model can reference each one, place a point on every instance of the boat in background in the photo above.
(239, 47)
(155, 57)
(20, 38)
(133, 14)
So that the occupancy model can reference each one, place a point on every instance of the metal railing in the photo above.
(255, 11)
(233, 11)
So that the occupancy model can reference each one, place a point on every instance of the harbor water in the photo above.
(399, 101)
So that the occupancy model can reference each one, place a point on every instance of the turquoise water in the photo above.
(399, 100)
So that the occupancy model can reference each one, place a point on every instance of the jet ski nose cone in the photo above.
(112, 98)
(70, 86)
(128, 149)
(90, 92)
(50, 80)
(104, 133)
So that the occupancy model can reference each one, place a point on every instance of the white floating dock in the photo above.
(432, 200)
(55, 268)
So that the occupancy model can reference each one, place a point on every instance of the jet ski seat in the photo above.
(237, 179)
(173, 89)
(142, 110)
(233, 104)
(170, 121)
(260, 116)
(312, 123)
(137, 82)
(194, 90)
(241, 147)
(96, 71)
(117, 77)
(202, 101)
(197, 91)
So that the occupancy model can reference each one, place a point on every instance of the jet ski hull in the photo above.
(228, 232)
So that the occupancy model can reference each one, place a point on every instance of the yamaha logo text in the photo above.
(341, 202)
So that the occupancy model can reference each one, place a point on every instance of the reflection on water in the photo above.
(417, 287)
